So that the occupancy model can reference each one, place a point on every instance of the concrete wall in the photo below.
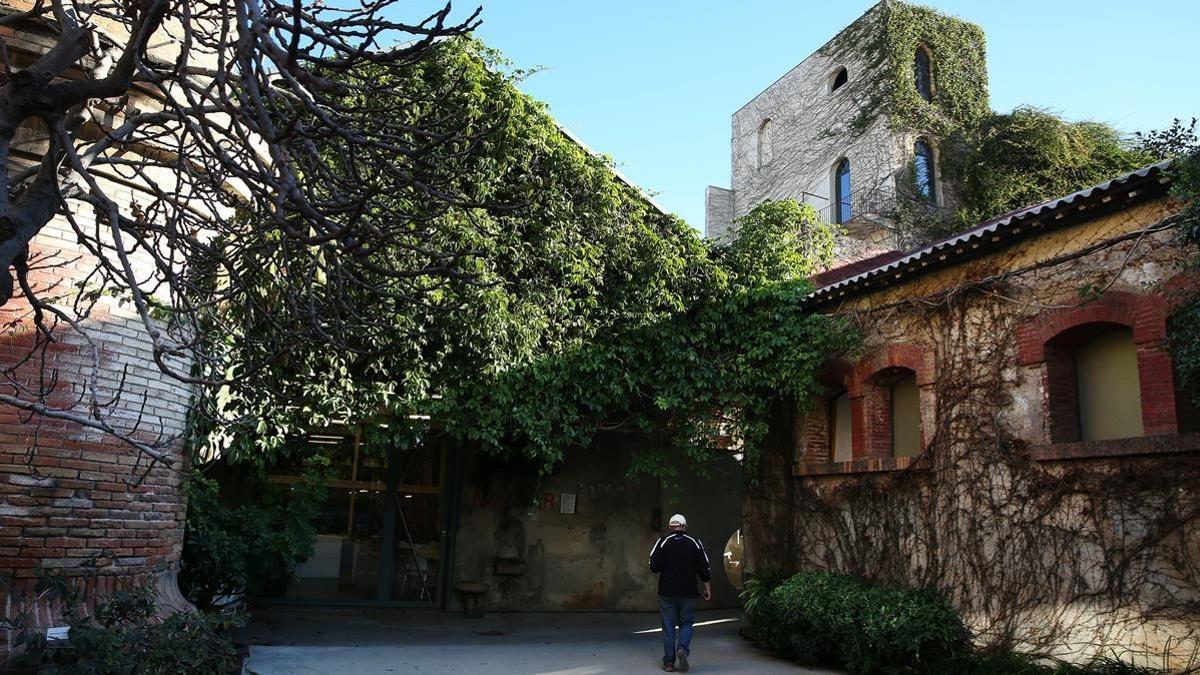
(536, 558)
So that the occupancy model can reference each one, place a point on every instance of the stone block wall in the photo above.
(787, 141)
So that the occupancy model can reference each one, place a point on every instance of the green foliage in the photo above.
(1180, 143)
(757, 588)
(824, 618)
(958, 63)
(125, 636)
(1030, 155)
(582, 307)
(830, 619)
(254, 548)
(1010, 663)
(778, 241)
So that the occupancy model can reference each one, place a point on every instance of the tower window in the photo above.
(763, 146)
(925, 171)
(839, 78)
(841, 192)
(922, 74)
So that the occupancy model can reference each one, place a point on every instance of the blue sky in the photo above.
(653, 83)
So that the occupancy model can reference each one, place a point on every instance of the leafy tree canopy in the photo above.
(580, 307)
(1015, 159)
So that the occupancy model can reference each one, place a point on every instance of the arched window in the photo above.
(763, 144)
(839, 78)
(1093, 389)
(922, 73)
(925, 170)
(841, 446)
(842, 213)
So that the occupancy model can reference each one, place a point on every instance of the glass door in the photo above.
(380, 533)
(420, 519)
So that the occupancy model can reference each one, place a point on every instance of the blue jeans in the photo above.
(676, 612)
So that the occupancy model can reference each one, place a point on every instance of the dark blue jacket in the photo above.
(679, 559)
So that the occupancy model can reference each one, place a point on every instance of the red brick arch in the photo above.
(869, 405)
(1146, 315)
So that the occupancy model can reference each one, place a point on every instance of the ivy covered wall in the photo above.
(788, 138)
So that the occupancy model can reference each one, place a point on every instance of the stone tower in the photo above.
(855, 128)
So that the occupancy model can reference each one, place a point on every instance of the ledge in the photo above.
(1118, 447)
(865, 465)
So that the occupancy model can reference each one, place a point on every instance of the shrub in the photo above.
(125, 636)
(830, 619)
(254, 548)
(1010, 663)
(824, 618)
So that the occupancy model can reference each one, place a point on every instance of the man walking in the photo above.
(679, 559)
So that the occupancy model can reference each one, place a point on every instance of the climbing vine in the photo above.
(959, 68)
(884, 42)
(1057, 558)
(1020, 158)
(584, 309)
(993, 162)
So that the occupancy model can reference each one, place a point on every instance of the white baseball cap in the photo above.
(679, 520)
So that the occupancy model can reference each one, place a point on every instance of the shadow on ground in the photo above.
(305, 640)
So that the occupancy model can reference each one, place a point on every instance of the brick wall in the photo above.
(75, 501)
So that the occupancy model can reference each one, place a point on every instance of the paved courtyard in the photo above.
(304, 640)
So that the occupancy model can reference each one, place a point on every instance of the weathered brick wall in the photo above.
(78, 502)
(1069, 548)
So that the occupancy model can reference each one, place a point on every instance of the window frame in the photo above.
(933, 195)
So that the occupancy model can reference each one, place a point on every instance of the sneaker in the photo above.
(681, 663)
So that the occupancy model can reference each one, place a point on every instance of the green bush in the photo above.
(253, 548)
(125, 636)
(823, 618)
(830, 619)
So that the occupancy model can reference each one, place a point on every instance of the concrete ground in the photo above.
(306, 640)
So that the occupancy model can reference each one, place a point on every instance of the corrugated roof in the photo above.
(849, 269)
(992, 234)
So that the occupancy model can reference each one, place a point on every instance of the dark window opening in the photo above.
(839, 79)
(1187, 393)
(922, 74)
